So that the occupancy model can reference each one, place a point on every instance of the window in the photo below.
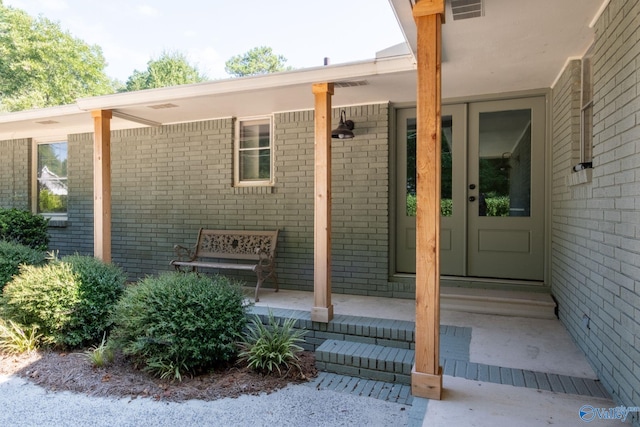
(586, 112)
(51, 191)
(253, 153)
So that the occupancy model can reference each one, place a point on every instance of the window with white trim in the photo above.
(253, 152)
(50, 187)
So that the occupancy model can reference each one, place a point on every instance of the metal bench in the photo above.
(214, 247)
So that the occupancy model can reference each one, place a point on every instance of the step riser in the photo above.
(368, 361)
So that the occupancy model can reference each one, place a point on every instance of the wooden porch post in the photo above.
(426, 376)
(102, 184)
(322, 310)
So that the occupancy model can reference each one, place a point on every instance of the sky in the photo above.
(209, 32)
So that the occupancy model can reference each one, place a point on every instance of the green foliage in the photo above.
(259, 60)
(101, 354)
(16, 339)
(41, 65)
(49, 202)
(498, 206)
(70, 299)
(446, 206)
(170, 69)
(273, 347)
(23, 227)
(177, 323)
(12, 255)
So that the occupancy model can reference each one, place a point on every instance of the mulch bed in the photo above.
(59, 371)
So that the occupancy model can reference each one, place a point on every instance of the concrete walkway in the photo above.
(540, 345)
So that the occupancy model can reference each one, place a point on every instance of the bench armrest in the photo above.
(265, 259)
(184, 253)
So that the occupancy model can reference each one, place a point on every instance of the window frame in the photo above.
(586, 111)
(53, 216)
(237, 180)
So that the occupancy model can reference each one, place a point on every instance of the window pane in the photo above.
(255, 165)
(254, 135)
(52, 178)
(446, 172)
(505, 163)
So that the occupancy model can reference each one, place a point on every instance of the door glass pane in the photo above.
(446, 174)
(505, 163)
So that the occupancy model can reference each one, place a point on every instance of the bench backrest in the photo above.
(236, 244)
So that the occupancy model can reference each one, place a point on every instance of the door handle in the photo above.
(472, 198)
(472, 186)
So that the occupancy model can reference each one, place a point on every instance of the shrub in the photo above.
(12, 255)
(272, 347)
(69, 299)
(180, 323)
(25, 228)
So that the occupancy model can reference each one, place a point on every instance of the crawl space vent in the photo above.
(465, 9)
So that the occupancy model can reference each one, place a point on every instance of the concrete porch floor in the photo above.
(528, 343)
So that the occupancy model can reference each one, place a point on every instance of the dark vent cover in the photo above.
(465, 9)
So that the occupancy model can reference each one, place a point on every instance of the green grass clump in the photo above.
(16, 339)
(272, 347)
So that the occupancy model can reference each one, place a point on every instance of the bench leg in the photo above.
(260, 280)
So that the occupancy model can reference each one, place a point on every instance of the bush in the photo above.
(23, 227)
(180, 323)
(272, 347)
(12, 255)
(70, 299)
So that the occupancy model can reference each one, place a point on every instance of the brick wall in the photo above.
(167, 182)
(596, 224)
(15, 162)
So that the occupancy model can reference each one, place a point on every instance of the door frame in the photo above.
(408, 278)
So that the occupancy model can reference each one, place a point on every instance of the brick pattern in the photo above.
(15, 168)
(167, 182)
(596, 225)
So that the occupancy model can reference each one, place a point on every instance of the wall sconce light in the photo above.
(343, 131)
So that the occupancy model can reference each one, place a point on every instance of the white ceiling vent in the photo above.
(465, 9)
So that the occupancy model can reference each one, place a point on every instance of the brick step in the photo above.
(362, 360)
(368, 330)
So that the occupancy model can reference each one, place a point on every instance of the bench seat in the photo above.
(251, 250)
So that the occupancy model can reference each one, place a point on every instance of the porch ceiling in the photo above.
(381, 80)
(516, 46)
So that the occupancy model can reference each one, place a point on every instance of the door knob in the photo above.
(472, 198)
(472, 186)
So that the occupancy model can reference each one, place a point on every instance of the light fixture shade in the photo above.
(344, 129)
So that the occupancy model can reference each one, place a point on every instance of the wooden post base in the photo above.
(322, 314)
(424, 385)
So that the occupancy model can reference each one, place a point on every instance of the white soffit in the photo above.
(516, 45)
(380, 80)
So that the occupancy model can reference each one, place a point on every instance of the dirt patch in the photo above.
(72, 372)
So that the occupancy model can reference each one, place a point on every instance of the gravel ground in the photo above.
(25, 404)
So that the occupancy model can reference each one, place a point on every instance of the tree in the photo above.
(259, 60)
(170, 69)
(43, 66)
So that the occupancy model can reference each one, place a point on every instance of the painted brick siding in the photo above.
(167, 182)
(596, 225)
(15, 162)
